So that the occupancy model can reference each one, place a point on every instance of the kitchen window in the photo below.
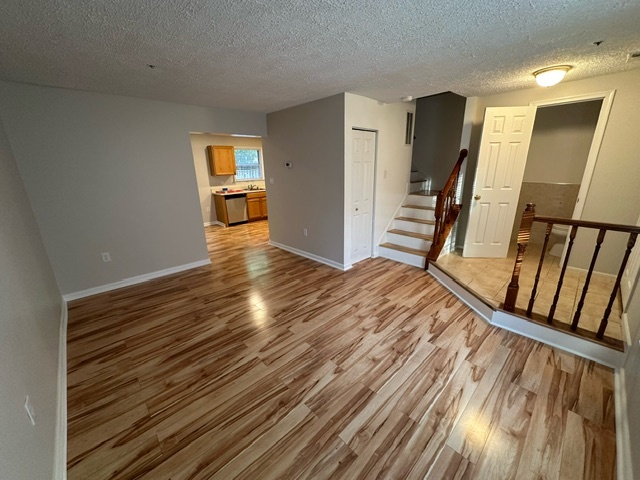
(248, 164)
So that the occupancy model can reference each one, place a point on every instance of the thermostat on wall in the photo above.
(288, 164)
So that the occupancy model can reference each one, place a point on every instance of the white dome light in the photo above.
(547, 77)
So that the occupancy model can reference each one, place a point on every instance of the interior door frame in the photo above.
(598, 135)
(374, 180)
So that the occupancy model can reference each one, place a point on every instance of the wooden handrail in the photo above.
(524, 235)
(446, 210)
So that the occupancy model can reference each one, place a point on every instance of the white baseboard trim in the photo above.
(210, 224)
(134, 280)
(60, 459)
(311, 256)
(623, 440)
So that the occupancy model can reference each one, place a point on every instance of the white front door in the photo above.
(506, 134)
(363, 154)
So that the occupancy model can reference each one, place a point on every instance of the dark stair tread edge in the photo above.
(418, 207)
(422, 236)
(425, 193)
(403, 249)
(417, 220)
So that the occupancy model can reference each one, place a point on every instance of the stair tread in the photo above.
(416, 220)
(426, 193)
(401, 248)
(419, 207)
(422, 236)
(418, 180)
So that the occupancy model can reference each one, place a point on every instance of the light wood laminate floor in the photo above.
(266, 365)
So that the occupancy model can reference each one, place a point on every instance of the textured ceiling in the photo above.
(265, 55)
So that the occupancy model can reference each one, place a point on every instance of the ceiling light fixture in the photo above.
(549, 76)
(408, 98)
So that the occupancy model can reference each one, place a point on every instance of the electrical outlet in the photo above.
(384, 174)
(31, 412)
(208, 209)
(305, 232)
(271, 181)
(106, 257)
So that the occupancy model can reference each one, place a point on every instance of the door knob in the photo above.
(477, 197)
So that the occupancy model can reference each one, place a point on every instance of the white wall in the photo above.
(393, 162)
(206, 181)
(111, 173)
(30, 307)
(631, 374)
(614, 195)
(560, 144)
(310, 194)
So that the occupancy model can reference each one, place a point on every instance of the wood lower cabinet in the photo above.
(257, 206)
(222, 160)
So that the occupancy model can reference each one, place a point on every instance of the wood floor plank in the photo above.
(266, 365)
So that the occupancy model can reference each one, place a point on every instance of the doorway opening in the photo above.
(230, 177)
(556, 167)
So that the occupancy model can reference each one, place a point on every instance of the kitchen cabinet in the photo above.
(257, 205)
(222, 160)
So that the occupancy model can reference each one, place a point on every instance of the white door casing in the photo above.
(363, 148)
(506, 135)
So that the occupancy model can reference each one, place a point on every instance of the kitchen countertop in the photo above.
(236, 192)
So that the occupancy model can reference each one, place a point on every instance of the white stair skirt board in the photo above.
(60, 459)
(408, 239)
(513, 323)
(409, 225)
(311, 256)
(134, 280)
(402, 257)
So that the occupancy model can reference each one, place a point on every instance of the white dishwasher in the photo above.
(236, 208)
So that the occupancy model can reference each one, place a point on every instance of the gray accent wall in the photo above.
(107, 173)
(438, 130)
(310, 194)
(30, 307)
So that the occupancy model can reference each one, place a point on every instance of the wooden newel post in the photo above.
(524, 234)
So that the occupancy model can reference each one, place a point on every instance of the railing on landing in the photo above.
(524, 235)
(447, 210)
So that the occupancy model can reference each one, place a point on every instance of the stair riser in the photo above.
(417, 213)
(422, 200)
(411, 242)
(416, 187)
(413, 227)
(402, 257)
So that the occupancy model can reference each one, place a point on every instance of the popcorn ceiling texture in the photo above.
(265, 55)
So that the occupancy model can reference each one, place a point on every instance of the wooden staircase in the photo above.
(426, 219)
(410, 237)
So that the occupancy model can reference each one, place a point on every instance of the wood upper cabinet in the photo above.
(222, 160)
(257, 205)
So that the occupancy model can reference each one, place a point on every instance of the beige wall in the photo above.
(29, 333)
(560, 144)
(614, 195)
(107, 173)
(393, 159)
(310, 194)
(206, 181)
